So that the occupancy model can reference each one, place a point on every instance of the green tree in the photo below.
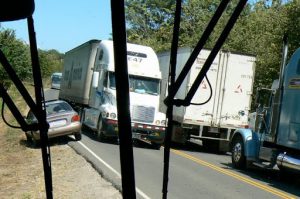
(258, 31)
(17, 54)
(148, 18)
(293, 25)
(50, 61)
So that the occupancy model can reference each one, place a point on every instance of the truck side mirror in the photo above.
(257, 98)
(95, 79)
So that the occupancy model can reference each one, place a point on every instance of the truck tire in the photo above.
(99, 133)
(237, 153)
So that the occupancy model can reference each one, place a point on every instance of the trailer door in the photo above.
(235, 91)
(202, 114)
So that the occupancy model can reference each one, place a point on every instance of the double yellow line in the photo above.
(234, 175)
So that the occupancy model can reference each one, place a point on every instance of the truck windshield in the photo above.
(138, 84)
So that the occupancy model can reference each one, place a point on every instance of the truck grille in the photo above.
(142, 114)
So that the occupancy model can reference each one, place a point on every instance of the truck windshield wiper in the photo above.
(152, 93)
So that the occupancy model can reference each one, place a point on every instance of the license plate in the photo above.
(57, 123)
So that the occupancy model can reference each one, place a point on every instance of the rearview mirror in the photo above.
(257, 97)
(95, 79)
(11, 10)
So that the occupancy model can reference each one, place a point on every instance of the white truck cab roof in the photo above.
(142, 60)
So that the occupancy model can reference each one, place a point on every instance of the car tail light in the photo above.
(75, 118)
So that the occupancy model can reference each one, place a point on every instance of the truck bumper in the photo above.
(148, 133)
(144, 132)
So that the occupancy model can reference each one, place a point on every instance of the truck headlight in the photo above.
(157, 122)
(113, 115)
(163, 122)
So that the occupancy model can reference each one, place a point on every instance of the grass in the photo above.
(16, 159)
(12, 136)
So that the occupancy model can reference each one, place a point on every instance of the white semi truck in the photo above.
(89, 84)
(227, 88)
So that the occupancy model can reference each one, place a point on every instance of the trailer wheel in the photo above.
(100, 134)
(237, 153)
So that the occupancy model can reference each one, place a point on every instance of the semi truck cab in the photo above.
(274, 137)
(148, 124)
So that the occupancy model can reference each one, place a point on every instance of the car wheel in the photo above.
(237, 153)
(35, 142)
(100, 134)
(77, 136)
(28, 138)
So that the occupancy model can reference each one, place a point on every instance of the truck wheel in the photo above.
(237, 153)
(100, 134)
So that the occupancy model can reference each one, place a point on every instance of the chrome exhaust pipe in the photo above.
(288, 162)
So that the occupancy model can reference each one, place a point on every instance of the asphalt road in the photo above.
(51, 94)
(194, 173)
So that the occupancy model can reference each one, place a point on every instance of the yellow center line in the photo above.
(234, 175)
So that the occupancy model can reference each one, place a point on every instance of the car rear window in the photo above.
(54, 108)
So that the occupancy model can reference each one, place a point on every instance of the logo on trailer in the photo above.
(239, 89)
(203, 85)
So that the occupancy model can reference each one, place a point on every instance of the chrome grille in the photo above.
(142, 114)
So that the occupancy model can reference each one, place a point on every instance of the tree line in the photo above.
(258, 31)
(17, 53)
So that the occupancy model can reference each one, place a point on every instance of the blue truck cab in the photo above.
(274, 136)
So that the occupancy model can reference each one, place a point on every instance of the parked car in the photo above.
(62, 118)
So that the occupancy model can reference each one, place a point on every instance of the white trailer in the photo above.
(231, 78)
(78, 72)
(89, 82)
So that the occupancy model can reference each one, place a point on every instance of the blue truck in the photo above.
(274, 137)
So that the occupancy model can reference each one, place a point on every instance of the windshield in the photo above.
(53, 108)
(138, 84)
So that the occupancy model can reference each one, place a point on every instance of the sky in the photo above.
(65, 24)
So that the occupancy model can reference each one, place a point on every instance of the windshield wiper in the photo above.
(152, 93)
